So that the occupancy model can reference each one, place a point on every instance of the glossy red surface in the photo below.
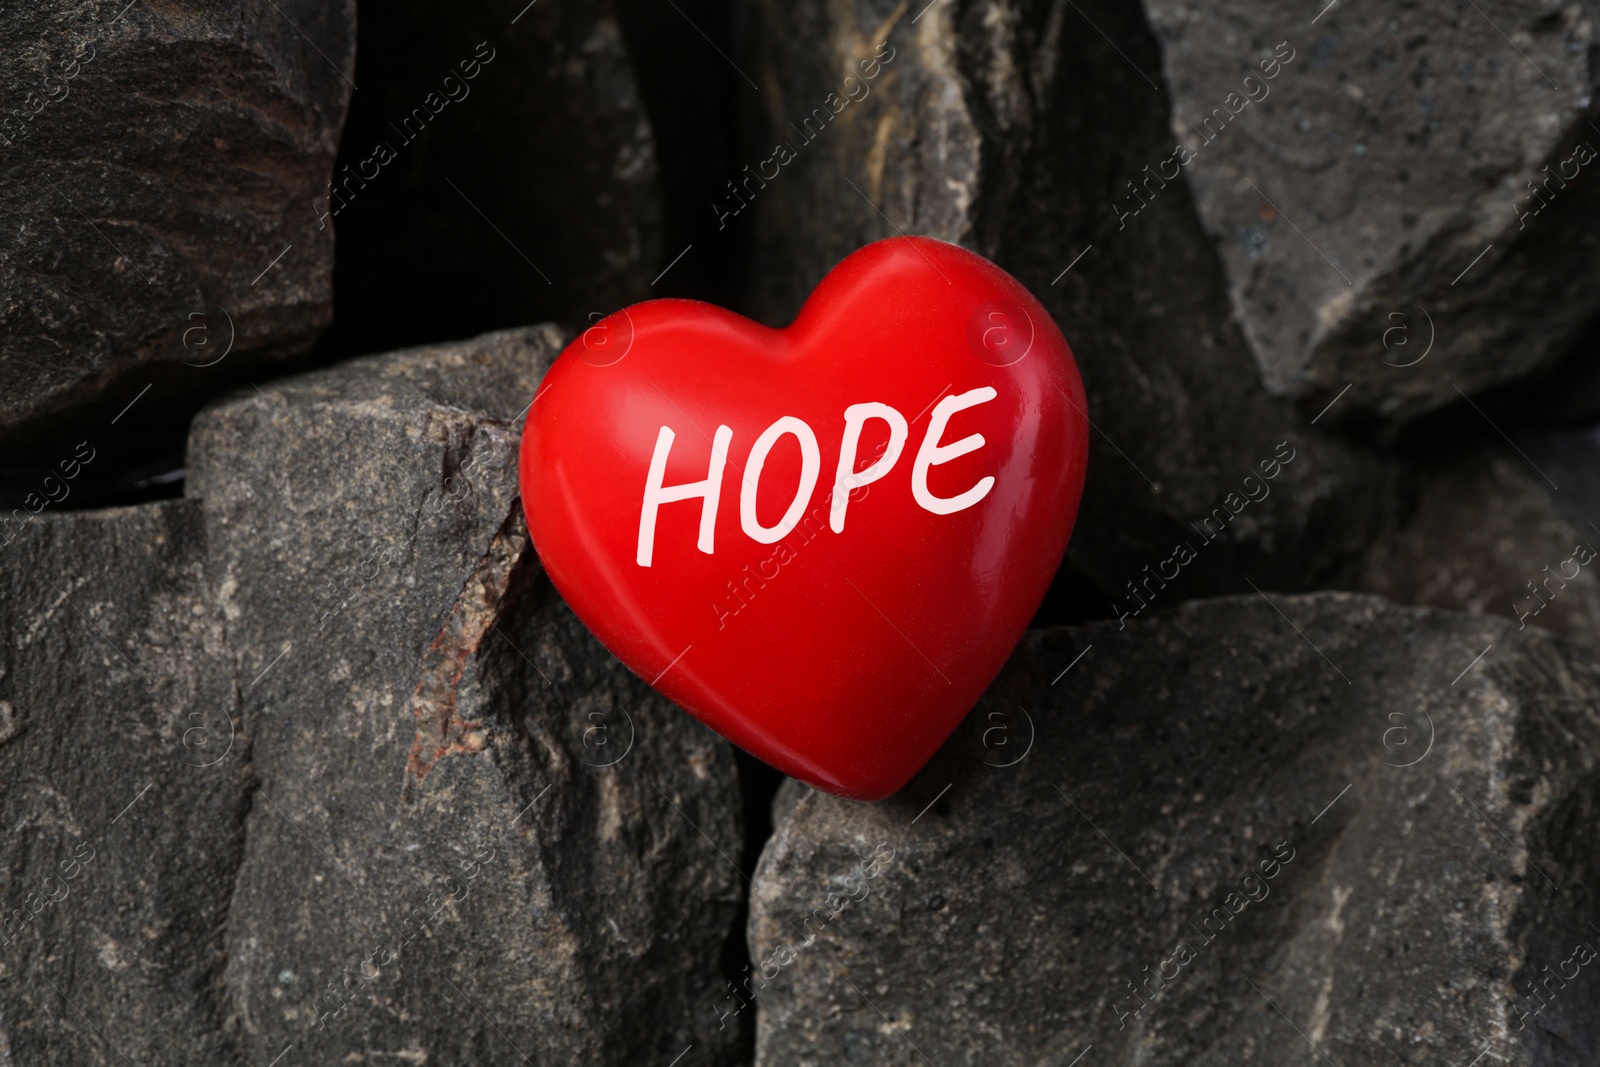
(842, 658)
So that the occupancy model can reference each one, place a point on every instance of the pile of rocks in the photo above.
(302, 758)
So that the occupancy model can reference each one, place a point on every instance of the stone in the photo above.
(159, 164)
(123, 769)
(1001, 126)
(316, 758)
(1410, 179)
(512, 142)
(1323, 828)
(472, 835)
(1494, 532)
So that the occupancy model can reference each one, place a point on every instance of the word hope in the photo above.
(846, 477)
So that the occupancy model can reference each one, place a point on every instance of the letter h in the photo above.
(656, 494)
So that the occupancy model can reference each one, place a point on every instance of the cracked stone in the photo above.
(472, 831)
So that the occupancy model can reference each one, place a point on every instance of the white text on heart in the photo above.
(930, 454)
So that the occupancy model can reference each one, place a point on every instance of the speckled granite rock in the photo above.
(1358, 191)
(1007, 126)
(123, 769)
(473, 835)
(1367, 850)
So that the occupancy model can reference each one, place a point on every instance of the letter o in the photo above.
(810, 468)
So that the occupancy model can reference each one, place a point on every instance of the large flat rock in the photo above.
(1322, 829)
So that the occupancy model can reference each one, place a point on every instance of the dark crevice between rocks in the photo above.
(506, 206)
(1072, 600)
(1563, 395)
(137, 429)
(689, 94)
(758, 785)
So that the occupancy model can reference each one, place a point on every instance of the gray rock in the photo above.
(1392, 150)
(1369, 847)
(1496, 532)
(157, 161)
(122, 792)
(1002, 126)
(473, 835)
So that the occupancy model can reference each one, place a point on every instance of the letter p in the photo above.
(848, 478)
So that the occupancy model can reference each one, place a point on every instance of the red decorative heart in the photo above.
(679, 470)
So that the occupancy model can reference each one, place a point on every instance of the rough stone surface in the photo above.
(157, 158)
(453, 853)
(1393, 148)
(1429, 848)
(1002, 126)
(316, 757)
(1495, 532)
(520, 158)
(122, 792)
